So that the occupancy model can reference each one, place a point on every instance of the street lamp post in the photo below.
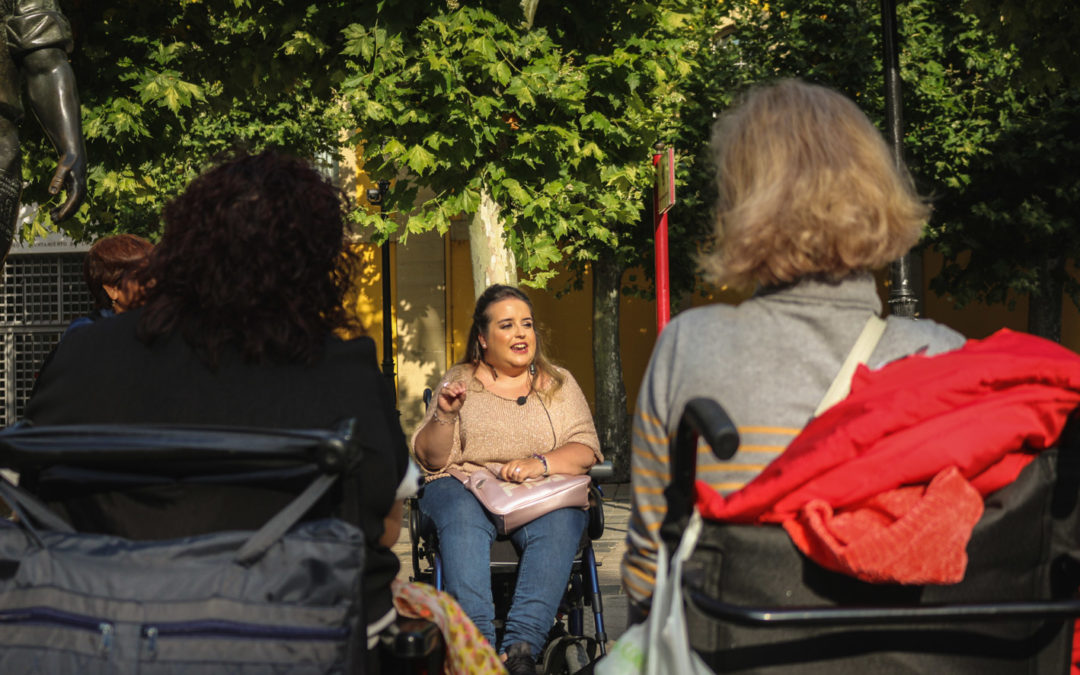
(903, 299)
(375, 196)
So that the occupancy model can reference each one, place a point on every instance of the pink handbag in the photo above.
(514, 504)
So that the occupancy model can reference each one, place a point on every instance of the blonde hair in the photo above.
(807, 186)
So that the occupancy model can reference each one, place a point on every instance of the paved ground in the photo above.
(609, 550)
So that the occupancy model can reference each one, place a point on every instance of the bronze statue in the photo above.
(38, 39)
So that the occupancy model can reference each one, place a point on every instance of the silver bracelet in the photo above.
(440, 420)
(543, 460)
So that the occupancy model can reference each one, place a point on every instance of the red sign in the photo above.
(665, 181)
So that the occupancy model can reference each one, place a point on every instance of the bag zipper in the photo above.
(214, 628)
(47, 616)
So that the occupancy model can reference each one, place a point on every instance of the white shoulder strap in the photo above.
(864, 346)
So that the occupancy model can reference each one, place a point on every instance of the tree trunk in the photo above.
(1044, 306)
(528, 7)
(612, 421)
(492, 261)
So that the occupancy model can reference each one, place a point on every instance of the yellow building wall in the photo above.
(364, 303)
(978, 320)
(459, 298)
(420, 319)
(975, 320)
(566, 315)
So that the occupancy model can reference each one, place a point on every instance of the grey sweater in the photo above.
(768, 362)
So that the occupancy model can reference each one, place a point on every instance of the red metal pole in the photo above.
(663, 285)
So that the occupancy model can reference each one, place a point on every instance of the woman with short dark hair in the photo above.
(109, 270)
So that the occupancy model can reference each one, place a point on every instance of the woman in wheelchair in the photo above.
(505, 407)
(810, 200)
(243, 296)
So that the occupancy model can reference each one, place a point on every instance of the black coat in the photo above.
(102, 373)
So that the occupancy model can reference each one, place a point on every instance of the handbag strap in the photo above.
(28, 509)
(860, 353)
(275, 528)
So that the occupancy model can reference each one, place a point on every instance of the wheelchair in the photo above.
(755, 604)
(286, 569)
(564, 652)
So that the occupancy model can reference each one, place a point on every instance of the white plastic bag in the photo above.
(660, 646)
(627, 655)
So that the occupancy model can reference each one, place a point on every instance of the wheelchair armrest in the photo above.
(705, 418)
(595, 528)
(708, 419)
(779, 617)
(602, 472)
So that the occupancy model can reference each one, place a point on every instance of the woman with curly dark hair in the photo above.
(242, 297)
(253, 257)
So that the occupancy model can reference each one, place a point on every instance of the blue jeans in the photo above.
(548, 545)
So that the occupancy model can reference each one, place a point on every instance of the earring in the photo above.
(532, 368)
(483, 345)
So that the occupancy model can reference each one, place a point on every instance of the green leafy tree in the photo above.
(1043, 33)
(553, 121)
(739, 43)
(985, 136)
(1013, 229)
(997, 116)
(167, 84)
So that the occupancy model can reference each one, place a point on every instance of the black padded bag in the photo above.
(284, 599)
(1023, 548)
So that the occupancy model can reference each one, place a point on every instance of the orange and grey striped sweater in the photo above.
(768, 361)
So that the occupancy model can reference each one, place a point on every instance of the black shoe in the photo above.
(519, 660)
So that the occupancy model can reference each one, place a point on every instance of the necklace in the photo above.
(509, 393)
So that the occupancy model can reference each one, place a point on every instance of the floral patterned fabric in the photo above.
(467, 651)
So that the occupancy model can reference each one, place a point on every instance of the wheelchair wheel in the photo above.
(569, 655)
(418, 550)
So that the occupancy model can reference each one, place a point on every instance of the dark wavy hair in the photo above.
(253, 257)
(110, 261)
(474, 355)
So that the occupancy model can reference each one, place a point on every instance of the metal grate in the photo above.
(40, 294)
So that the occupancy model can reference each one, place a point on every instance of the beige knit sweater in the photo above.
(492, 430)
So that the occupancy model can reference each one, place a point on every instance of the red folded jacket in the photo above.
(887, 485)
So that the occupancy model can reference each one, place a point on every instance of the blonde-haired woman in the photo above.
(810, 200)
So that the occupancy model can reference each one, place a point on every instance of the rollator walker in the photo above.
(755, 604)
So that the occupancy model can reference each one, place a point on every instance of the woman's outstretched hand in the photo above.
(451, 398)
(435, 440)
